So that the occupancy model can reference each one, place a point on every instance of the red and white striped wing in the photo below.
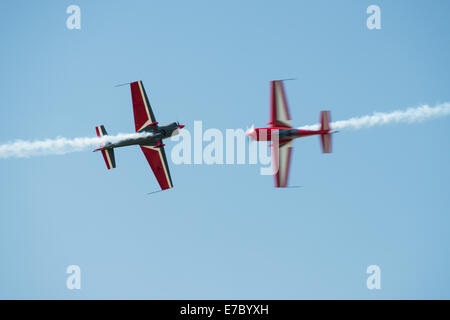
(156, 157)
(281, 159)
(143, 114)
(279, 111)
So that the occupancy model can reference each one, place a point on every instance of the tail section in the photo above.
(108, 154)
(325, 138)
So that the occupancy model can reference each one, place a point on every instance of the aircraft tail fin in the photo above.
(325, 120)
(107, 153)
(325, 138)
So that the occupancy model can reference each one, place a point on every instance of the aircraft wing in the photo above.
(143, 114)
(279, 111)
(156, 157)
(281, 159)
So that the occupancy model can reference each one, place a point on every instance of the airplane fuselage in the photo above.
(155, 134)
(284, 134)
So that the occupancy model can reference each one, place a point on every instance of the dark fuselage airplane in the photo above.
(153, 137)
(150, 141)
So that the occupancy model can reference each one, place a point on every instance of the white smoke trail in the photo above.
(24, 149)
(410, 115)
(60, 145)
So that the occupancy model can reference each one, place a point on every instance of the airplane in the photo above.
(281, 133)
(151, 144)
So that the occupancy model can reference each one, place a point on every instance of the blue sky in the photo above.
(224, 231)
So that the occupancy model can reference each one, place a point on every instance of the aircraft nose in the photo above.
(252, 133)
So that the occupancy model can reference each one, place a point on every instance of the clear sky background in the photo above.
(225, 231)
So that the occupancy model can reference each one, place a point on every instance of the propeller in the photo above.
(250, 132)
(180, 126)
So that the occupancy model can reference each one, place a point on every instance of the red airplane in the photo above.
(281, 133)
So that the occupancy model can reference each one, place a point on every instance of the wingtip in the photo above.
(285, 79)
(122, 84)
(155, 191)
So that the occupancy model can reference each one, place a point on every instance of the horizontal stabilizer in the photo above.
(325, 140)
(325, 120)
(108, 154)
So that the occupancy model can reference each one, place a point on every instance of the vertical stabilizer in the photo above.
(325, 138)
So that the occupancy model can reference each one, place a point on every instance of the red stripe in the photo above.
(139, 109)
(273, 112)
